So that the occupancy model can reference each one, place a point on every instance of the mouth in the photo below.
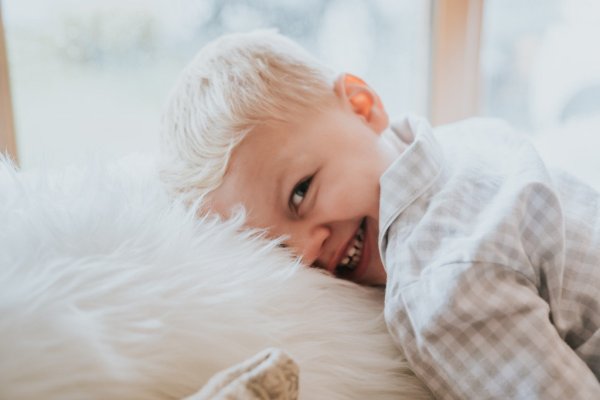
(351, 258)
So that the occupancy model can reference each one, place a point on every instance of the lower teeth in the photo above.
(352, 263)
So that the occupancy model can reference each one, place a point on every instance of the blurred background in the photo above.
(88, 79)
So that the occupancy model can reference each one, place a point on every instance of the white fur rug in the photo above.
(107, 290)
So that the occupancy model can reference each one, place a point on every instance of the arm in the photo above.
(482, 331)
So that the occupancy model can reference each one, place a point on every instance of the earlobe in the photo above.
(363, 100)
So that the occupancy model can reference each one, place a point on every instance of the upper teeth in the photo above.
(350, 261)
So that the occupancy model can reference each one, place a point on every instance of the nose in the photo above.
(311, 247)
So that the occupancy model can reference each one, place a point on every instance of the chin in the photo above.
(376, 276)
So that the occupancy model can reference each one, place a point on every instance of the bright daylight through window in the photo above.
(541, 71)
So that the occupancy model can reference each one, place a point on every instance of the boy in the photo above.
(491, 264)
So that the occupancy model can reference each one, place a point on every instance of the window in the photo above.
(91, 77)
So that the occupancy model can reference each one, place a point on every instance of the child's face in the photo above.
(317, 183)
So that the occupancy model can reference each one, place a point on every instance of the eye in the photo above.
(299, 193)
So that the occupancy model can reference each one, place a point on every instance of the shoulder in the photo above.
(481, 135)
(477, 148)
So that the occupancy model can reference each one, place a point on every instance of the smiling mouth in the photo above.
(353, 253)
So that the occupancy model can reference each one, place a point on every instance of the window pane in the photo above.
(542, 72)
(90, 77)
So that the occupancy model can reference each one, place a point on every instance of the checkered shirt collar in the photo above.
(412, 173)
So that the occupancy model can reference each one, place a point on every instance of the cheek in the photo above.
(350, 201)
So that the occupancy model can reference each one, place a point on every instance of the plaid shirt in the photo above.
(493, 266)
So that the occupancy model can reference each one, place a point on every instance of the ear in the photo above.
(356, 94)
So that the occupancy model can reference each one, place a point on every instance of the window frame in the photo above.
(8, 142)
(455, 75)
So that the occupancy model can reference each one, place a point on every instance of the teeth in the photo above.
(350, 261)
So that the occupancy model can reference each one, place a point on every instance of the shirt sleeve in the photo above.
(473, 331)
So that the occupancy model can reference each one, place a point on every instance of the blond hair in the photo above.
(234, 85)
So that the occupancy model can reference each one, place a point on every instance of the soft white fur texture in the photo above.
(108, 290)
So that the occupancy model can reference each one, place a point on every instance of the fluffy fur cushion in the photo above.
(108, 290)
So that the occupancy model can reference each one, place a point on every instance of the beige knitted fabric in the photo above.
(269, 375)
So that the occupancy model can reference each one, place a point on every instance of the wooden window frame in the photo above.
(8, 143)
(455, 63)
